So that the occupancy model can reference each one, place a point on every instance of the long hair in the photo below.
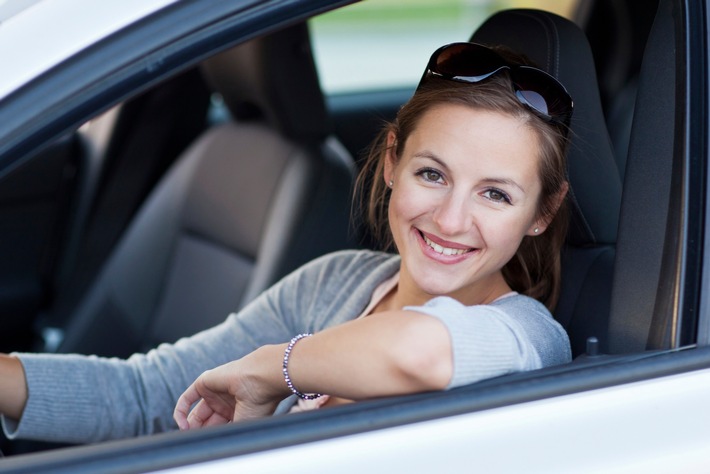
(535, 268)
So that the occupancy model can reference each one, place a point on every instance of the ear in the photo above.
(390, 159)
(544, 221)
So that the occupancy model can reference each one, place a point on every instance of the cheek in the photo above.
(505, 232)
(407, 203)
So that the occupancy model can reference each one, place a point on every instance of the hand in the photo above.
(240, 390)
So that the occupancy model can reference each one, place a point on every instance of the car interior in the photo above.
(201, 192)
(251, 199)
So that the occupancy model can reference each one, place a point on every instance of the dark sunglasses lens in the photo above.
(465, 60)
(542, 92)
(534, 100)
(470, 62)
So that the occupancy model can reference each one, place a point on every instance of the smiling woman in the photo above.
(473, 173)
(457, 185)
(460, 183)
(514, 133)
(464, 194)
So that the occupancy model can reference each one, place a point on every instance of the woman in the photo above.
(468, 180)
(470, 175)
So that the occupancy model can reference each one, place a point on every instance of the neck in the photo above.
(407, 293)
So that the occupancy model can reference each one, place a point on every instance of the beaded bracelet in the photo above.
(287, 378)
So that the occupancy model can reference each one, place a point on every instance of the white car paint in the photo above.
(607, 430)
(610, 430)
(44, 33)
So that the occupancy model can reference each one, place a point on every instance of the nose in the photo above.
(453, 215)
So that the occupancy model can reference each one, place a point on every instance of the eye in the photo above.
(431, 175)
(496, 195)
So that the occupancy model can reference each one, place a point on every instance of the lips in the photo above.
(445, 248)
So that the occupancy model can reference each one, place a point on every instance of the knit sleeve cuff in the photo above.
(485, 342)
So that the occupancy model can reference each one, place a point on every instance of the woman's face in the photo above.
(464, 194)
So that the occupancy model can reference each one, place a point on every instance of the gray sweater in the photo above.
(80, 399)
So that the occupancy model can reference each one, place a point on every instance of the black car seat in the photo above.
(560, 47)
(648, 300)
(249, 201)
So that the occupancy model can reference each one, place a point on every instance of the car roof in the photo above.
(82, 24)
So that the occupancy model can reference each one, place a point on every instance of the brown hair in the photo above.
(535, 268)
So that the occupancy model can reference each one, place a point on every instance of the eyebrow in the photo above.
(509, 182)
(428, 154)
(500, 181)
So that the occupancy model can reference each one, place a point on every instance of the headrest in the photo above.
(558, 46)
(273, 78)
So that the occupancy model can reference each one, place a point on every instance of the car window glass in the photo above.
(380, 44)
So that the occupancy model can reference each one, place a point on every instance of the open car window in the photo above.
(605, 396)
(379, 44)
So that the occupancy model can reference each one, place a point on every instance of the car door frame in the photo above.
(219, 28)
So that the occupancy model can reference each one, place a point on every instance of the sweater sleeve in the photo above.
(82, 399)
(79, 399)
(515, 334)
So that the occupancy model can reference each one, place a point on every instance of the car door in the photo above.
(643, 408)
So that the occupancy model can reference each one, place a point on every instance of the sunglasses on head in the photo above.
(471, 63)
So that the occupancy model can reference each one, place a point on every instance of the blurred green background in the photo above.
(406, 12)
(376, 44)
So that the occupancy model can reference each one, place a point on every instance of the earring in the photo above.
(536, 230)
(391, 183)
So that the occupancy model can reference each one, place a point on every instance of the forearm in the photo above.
(13, 387)
(390, 353)
(384, 354)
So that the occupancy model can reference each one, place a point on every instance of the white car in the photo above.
(106, 217)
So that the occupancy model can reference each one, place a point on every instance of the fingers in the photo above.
(209, 408)
(219, 396)
(203, 415)
(183, 406)
(214, 420)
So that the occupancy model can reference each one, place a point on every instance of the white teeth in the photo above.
(443, 250)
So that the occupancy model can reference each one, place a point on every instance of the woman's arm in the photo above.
(70, 392)
(388, 353)
(13, 387)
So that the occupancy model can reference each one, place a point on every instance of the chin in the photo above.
(433, 288)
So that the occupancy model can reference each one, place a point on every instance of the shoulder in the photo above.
(535, 320)
(520, 317)
(337, 275)
(352, 263)
(357, 257)
(513, 305)
(526, 310)
(336, 287)
(521, 304)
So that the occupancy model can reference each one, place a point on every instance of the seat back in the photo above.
(642, 298)
(558, 46)
(249, 201)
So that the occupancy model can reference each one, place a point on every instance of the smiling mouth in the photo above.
(443, 250)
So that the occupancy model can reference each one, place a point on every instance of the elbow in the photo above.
(425, 354)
